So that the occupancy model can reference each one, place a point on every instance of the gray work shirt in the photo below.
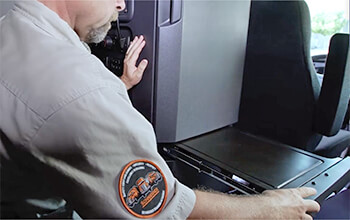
(68, 128)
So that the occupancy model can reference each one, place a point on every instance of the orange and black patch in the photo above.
(142, 188)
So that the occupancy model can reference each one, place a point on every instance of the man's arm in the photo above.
(271, 204)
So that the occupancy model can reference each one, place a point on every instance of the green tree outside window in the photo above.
(328, 23)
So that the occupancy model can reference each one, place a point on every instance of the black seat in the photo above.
(281, 98)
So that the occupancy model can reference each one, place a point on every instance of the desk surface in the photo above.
(270, 163)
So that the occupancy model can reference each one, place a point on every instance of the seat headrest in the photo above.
(335, 90)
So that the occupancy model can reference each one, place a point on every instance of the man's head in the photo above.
(90, 19)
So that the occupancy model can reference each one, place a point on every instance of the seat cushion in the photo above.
(333, 146)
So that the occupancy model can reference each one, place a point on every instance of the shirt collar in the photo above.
(49, 21)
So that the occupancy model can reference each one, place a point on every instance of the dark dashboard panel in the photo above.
(319, 62)
(111, 51)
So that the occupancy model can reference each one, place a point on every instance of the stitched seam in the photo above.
(61, 103)
(31, 18)
(58, 105)
(181, 204)
(38, 23)
(18, 98)
(30, 141)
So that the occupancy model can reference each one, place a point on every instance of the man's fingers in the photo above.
(130, 46)
(312, 206)
(136, 53)
(307, 217)
(142, 66)
(134, 46)
(306, 191)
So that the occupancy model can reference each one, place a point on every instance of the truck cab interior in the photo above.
(234, 97)
(233, 93)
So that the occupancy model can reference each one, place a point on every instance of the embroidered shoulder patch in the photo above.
(142, 188)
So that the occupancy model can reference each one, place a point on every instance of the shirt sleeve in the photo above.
(84, 149)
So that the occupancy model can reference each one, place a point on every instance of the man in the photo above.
(69, 131)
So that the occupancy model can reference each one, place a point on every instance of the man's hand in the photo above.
(271, 204)
(132, 75)
(290, 203)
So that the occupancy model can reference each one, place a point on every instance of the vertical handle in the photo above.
(176, 8)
